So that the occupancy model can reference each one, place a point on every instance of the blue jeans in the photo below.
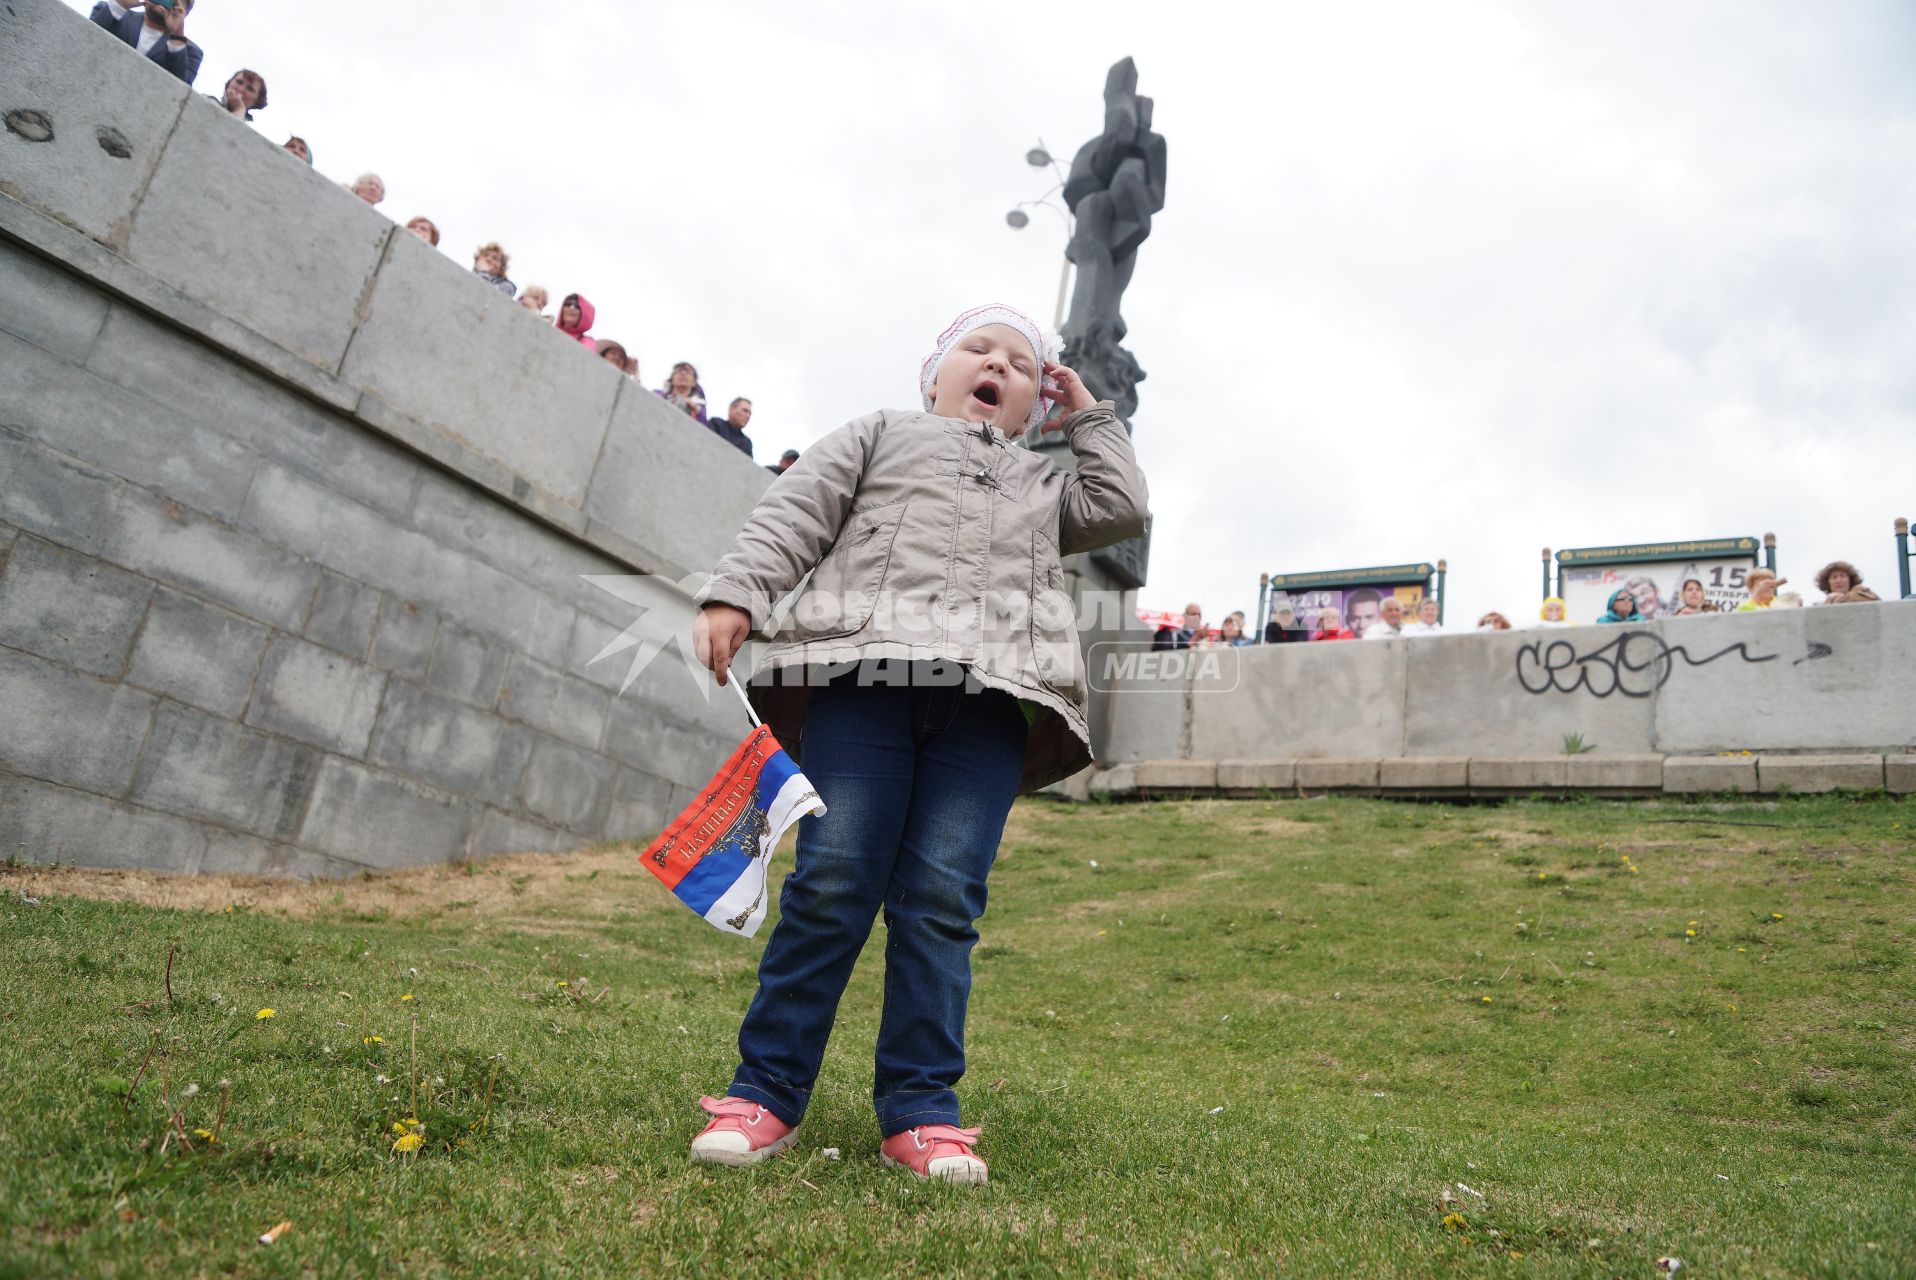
(917, 783)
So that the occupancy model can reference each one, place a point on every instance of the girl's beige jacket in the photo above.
(934, 539)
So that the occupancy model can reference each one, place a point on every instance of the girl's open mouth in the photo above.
(986, 393)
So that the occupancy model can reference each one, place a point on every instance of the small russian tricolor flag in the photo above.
(716, 854)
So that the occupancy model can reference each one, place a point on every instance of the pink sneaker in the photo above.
(741, 1133)
(941, 1151)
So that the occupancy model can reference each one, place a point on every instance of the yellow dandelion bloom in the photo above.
(1486, 999)
(1732, 1008)
(205, 1135)
(262, 1015)
(1689, 933)
(1776, 915)
(409, 1142)
(1739, 948)
(398, 1127)
(565, 984)
(1542, 876)
(1454, 1221)
(406, 997)
(372, 1040)
(1516, 1253)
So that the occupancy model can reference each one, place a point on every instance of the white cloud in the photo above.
(1433, 281)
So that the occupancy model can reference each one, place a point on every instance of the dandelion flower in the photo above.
(1776, 915)
(263, 1014)
(1739, 948)
(205, 1135)
(1689, 933)
(1486, 999)
(1542, 875)
(406, 997)
(1454, 1221)
(565, 984)
(409, 1142)
(372, 1040)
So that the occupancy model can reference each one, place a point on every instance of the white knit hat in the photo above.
(1044, 345)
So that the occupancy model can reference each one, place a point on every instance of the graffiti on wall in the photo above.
(1635, 664)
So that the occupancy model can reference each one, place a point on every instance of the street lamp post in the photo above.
(1038, 158)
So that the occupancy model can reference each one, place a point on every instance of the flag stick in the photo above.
(739, 686)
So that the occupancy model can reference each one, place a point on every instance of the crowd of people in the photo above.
(156, 29)
(1370, 613)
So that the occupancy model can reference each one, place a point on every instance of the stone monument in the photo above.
(1116, 183)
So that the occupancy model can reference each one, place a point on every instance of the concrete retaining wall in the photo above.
(295, 513)
(1839, 679)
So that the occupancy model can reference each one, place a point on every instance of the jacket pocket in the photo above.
(845, 587)
(1054, 637)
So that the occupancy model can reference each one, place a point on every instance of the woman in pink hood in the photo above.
(575, 318)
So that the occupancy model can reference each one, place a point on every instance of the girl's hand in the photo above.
(1070, 396)
(717, 634)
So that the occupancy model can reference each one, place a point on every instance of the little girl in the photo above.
(928, 674)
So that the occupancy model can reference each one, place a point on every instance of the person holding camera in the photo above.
(157, 30)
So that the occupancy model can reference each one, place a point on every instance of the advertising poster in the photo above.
(1354, 607)
(1718, 586)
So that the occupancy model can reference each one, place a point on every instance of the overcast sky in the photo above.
(1450, 280)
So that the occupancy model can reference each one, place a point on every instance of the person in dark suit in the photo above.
(156, 30)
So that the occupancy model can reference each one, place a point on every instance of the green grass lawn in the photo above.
(1334, 1038)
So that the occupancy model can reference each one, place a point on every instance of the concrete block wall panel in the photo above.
(343, 615)
(1337, 774)
(1255, 777)
(1691, 775)
(569, 787)
(1812, 775)
(43, 305)
(642, 805)
(111, 115)
(381, 819)
(406, 635)
(1426, 775)
(432, 372)
(1814, 679)
(322, 525)
(434, 739)
(198, 653)
(71, 608)
(1519, 775)
(1899, 774)
(1177, 776)
(199, 766)
(1818, 679)
(258, 235)
(1492, 694)
(1641, 772)
(120, 431)
(44, 823)
(316, 696)
(67, 727)
(664, 473)
(1305, 701)
(225, 401)
(502, 833)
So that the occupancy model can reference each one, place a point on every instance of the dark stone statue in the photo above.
(1116, 184)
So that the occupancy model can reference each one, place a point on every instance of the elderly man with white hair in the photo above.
(1390, 620)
